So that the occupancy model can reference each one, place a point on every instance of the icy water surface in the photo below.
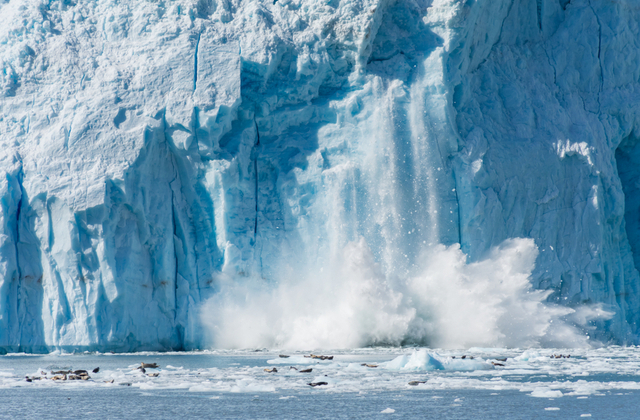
(600, 383)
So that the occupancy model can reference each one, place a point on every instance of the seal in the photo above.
(306, 370)
(274, 370)
(416, 383)
(149, 365)
(96, 370)
(314, 384)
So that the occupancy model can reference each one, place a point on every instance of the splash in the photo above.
(445, 302)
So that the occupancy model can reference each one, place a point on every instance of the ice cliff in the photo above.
(152, 150)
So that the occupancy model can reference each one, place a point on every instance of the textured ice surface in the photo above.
(234, 384)
(153, 152)
(539, 374)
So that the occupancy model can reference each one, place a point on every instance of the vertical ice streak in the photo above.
(425, 156)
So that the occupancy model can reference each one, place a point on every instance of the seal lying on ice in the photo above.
(315, 384)
(149, 365)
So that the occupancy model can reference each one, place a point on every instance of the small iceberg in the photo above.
(422, 360)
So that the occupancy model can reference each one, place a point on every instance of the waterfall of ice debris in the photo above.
(318, 173)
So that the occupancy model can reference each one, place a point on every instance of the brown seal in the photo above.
(149, 365)
(416, 383)
(314, 384)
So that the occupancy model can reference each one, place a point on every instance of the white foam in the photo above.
(348, 302)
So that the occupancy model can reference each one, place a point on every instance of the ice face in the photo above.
(154, 153)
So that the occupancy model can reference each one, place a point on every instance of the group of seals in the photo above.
(274, 370)
(64, 375)
(144, 366)
(81, 374)
(308, 370)
(313, 356)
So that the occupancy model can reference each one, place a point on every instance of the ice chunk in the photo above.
(422, 360)
(546, 392)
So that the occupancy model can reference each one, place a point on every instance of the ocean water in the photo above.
(596, 383)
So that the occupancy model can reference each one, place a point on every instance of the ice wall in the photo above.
(152, 151)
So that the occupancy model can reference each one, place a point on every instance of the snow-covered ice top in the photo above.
(156, 155)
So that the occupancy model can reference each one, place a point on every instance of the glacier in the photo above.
(154, 152)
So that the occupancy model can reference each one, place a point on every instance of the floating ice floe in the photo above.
(546, 392)
(422, 360)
